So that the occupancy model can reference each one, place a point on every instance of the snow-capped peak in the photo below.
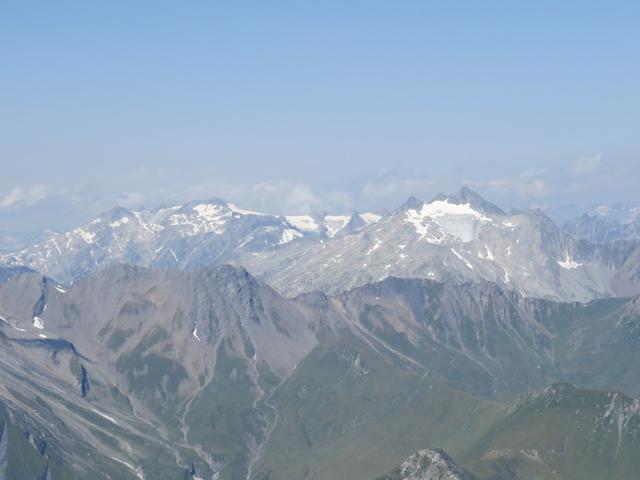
(442, 208)
(335, 223)
(208, 211)
(371, 217)
(242, 211)
(330, 225)
(304, 223)
(467, 196)
(461, 221)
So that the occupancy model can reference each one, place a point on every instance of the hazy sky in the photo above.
(291, 106)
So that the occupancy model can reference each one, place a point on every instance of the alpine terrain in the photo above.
(319, 241)
(453, 238)
(149, 373)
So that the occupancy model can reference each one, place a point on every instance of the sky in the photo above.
(327, 106)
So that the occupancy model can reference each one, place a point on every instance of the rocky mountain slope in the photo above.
(147, 343)
(457, 239)
(139, 373)
(604, 223)
(427, 465)
(561, 432)
(191, 236)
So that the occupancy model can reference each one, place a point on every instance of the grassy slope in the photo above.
(222, 417)
(578, 434)
(348, 413)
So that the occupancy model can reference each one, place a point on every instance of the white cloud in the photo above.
(132, 200)
(585, 165)
(583, 180)
(391, 188)
(293, 197)
(529, 184)
(276, 197)
(24, 197)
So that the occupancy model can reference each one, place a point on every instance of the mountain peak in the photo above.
(412, 203)
(427, 465)
(466, 195)
(118, 212)
(206, 201)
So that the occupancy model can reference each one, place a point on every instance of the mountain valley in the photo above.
(147, 373)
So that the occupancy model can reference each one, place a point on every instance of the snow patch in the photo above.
(288, 235)
(107, 417)
(458, 220)
(334, 223)
(569, 263)
(138, 470)
(38, 323)
(206, 218)
(12, 325)
(117, 223)
(487, 256)
(208, 211)
(88, 237)
(304, 223)
(374, 248)
(442, 208)
(241, 211)
(462, 258)
(370, 217)
(424, 227)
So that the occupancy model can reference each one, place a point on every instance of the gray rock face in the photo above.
(140, 372)
(466, 195)
(200, 309)
(457, 242)
(199, 233)
(494, 342)
(4, 442)
(184, 237)
(427, 465)
(606, 224)
(150, 342)
(6, 273)
(329, 226)
(454, 238)
(170, 372)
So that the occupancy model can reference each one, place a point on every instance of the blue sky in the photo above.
(288, 106)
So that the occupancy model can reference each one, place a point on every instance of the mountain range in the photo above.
(607, 223)
(447, 339)
(191, 236)
(145, 373)
(454, 238)
(457, 238)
